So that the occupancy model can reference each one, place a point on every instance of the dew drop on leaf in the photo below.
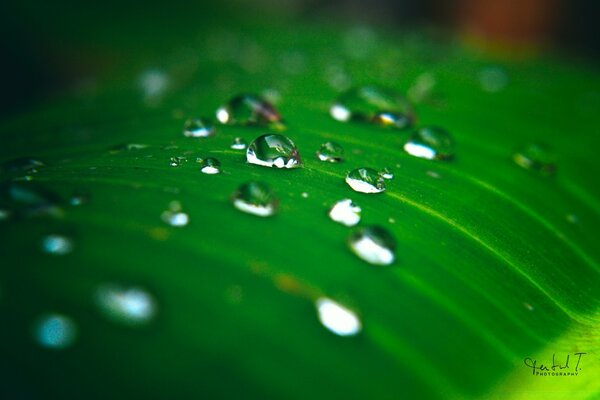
(273, 150)
(431, 143)
(331, 152)
(55, 331)
(238, 144)
(373, 244)
(536, 157)
(255, 198)
(337, 318)
(174, 215)
(129, 305)
(57, 245)
(210, 166)
(248, 109)
(372, 104)
(365, 180)
(345, 212)
(198, 128)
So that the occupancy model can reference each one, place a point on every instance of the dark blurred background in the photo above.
(48, 46)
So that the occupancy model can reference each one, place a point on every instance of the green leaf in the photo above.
(494, 263)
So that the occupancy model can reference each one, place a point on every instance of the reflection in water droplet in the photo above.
(55, 331)
(386, 173)
(174, 216)
(375, 105)
(198, 128)
(536, 157)
(273, 150)
(337, 318)
(431, 143)
(255, 198)
(345, 212)
(57, 245)
(373, 244)
(493, 79)
(210, 166)
(331, 152)
(239, 144)
(365, 180)
(127, 305)
(248, 109)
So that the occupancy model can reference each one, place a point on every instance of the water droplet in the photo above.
(375, 105)
(391, 220)
(29, 200)
(373, 244)
(536, 157)
(127, 305)
(365, 180)
(248, 109)
(273, 150)
(153, 83)
(210, 166)
(528, 306)
(345, 212)
(21, 166)
(386, 173)
(493, 79)
(337, 318)
(55, 331)
(174, 215)
(433, 174)
(239, 144)
(572, 218)
(304, 195)
(57, 245)
(255, 198)
(177, 161)
(120, 148)
(431, 143)
(198, 128)
(78, 199)
(331, 152)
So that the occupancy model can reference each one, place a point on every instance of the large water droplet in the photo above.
(57, 245)
(238, 144)
(174, 215)
(331, 152)
(337, 318)
(365, 180)
(536, 157)
(273, 150)
(345, 212)
(431, 143)
(127, 305)
(248, 109)
(55, 331)
(373, 104)
(210, 166)
(198, 128)
(255, 198)
(373, 244)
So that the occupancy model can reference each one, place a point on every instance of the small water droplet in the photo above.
(493, 79)
(337, 318)
(345, 212)
(57, 245)
(20, 166)
(304, 195)
(376, 105)
(78, 199)
(55, 331)
(365, 180)
(331, 152)
(373, 244)
(120, 148)
(210, 166)
(528, 306)
(248, 109)
(391, 220)
(198, 128)
(386, 173)
(255, 198)
(431, 143)
(239, 144)
(273, 150)
(572, 218)
(128, 305)
(177, 161)
(433, 174)
(174, 215)
(536, 157)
